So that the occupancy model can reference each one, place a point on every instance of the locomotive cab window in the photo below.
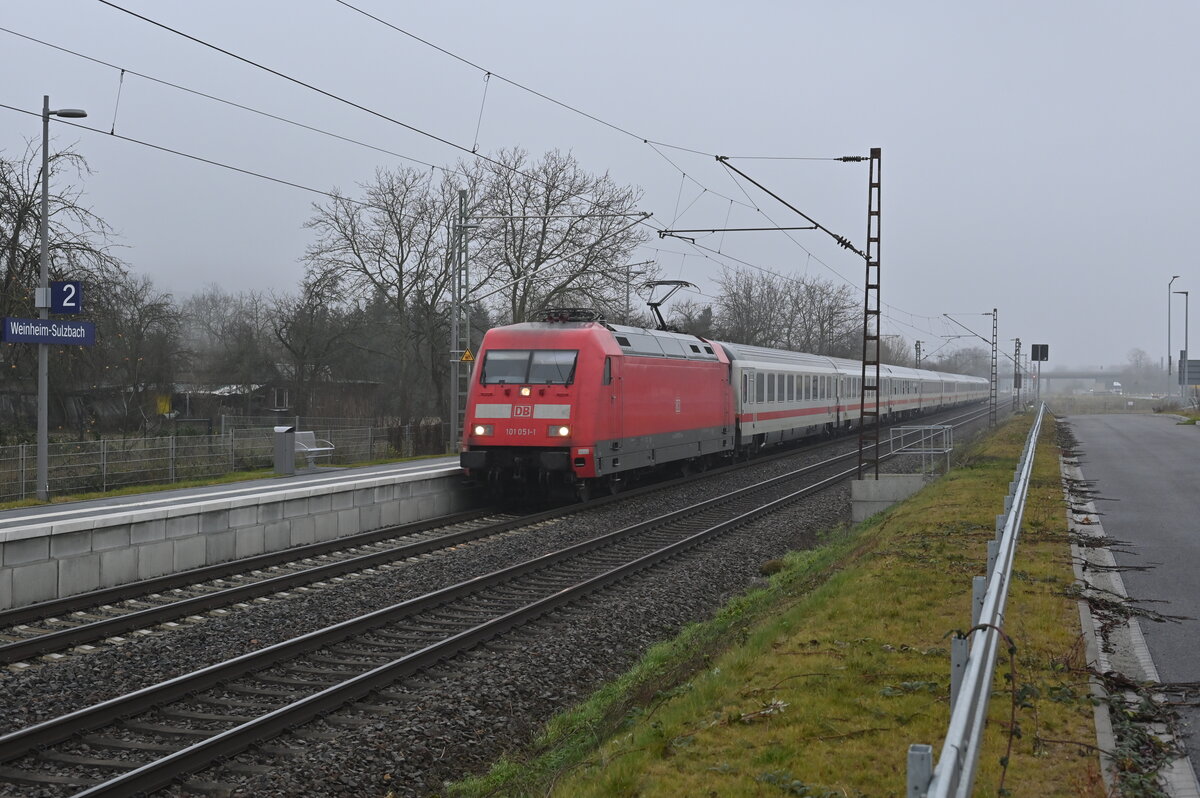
(528, 367)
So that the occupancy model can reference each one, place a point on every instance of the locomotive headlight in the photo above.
(482, 429)
(558, 431)
(526, 391)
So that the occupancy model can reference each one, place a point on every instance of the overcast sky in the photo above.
(1037, 156)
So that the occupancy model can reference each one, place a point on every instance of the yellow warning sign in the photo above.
(467, 357)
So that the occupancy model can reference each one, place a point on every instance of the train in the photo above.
(574, 403)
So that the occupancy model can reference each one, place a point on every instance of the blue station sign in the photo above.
(48, 331)
(66, 296)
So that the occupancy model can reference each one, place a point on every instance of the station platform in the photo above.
(58, 550)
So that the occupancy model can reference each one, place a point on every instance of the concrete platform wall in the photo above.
(42, 562)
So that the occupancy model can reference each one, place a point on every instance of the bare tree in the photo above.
(561, 237)
(79, 240)
(314, 332)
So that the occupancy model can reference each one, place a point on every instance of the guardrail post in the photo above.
(920, 769)
(1001, 520)
(958, 664)
(978, 591)
(993, 547)
(1008, 502)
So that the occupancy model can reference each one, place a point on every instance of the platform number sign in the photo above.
(1041, 352)
(66, 296)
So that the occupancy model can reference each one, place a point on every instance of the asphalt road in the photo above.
(1146, 471)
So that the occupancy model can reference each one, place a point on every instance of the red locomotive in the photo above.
(573, 402)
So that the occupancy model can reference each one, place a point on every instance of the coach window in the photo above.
(745, 388)
(770, 387)
(791, 387)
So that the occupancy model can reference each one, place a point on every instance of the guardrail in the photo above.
(971, 673)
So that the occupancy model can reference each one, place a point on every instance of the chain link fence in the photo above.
(103, 465)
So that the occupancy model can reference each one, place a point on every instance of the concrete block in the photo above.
(78, 574)
(409, 511)
(189, 553)
(304, 531)
(214, 521)
(342, 500)
(389, 513)
(270, 511)
(369, 517)
(425, 507)
(319, 504)
(294, 508)
(871, 496)
(348, 522)
(113, 537)
(364, 497)
(326, 526)
(5, 588)
(119, 566)
(183, 526)
(29, 550)
(250, 541)
(36, 582)
(384, 493)
(404, 490)
(277, 536)
(243, 516)
(156, 559)
(220, 546)
(71, 544)
(148, 531)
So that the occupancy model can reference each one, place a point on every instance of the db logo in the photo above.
(526, 411)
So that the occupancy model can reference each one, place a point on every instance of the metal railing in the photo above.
(971, 674)
(98, 466)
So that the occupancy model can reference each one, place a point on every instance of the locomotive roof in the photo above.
(636, 340)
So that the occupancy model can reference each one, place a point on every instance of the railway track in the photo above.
(153, 736)
(85, 621)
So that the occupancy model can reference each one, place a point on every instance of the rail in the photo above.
(955, 771)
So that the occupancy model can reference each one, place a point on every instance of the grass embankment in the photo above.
(817, 685)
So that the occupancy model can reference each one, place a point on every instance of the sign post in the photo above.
(1040, 353)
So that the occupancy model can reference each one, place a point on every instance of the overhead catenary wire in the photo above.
(655, 144)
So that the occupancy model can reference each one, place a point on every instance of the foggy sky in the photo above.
(1036, 155)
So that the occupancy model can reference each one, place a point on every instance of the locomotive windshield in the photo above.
(529, 367)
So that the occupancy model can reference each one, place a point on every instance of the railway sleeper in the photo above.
(51, 755)
(16, 776)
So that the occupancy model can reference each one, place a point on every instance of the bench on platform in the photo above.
(312, 447)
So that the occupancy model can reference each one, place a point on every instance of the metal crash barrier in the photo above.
(971, 674)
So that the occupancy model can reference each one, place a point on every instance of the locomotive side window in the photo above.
(607, 371)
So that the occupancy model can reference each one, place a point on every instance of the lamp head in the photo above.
(69, 113)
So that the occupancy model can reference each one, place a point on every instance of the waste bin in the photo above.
(285, 450)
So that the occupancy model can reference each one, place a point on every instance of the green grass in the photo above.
(817, 684)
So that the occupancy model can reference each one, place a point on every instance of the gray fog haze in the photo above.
(1037, 156)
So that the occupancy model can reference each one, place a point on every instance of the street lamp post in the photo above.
(42, 301)
(1173, 279)
(1186, 391)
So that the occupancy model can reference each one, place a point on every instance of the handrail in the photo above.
(955, 771)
